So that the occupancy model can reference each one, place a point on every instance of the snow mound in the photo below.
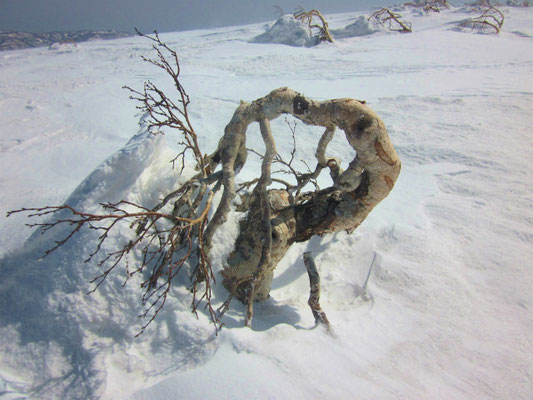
(287, 30)
(361, 27)
(67, 344)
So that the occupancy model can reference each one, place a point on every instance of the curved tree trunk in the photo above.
(276, 218)
(368, 179)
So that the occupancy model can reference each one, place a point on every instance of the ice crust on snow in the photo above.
(447, 311)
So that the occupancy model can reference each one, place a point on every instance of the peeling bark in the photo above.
(368, 179)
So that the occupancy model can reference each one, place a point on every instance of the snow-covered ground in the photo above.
(449, 312)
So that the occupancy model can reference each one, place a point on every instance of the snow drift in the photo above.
(52, 320)
(287, 30)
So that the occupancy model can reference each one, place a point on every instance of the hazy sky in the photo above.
(147, 15)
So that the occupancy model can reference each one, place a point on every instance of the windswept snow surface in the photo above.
(448, 312)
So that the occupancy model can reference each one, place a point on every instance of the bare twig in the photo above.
(160, 238)
(165, 112)
(302, 178)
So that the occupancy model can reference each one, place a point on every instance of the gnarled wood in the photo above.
(367, 180)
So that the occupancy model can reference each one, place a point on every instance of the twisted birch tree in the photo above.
(390, 20)
(180, 229)
(286, 219)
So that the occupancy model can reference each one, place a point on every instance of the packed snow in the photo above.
(446, 311)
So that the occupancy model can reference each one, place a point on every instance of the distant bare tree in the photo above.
(390, 20)
(490, 20)
(308, 17)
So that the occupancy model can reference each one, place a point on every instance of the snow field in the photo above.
(447, 312)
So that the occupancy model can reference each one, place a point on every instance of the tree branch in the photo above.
(314, 293)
